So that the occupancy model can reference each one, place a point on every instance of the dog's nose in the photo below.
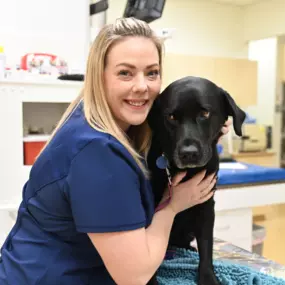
(189, 153)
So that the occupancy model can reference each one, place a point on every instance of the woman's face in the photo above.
(132, 80)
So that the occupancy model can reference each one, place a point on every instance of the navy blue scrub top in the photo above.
(85, 181)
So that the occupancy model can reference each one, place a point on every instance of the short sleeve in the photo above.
(104, 189)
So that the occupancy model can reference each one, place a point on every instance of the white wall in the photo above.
(264, 19)
(59, 27)
(265, 52)
(202, 28)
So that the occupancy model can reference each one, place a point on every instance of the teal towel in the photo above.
(182, 270)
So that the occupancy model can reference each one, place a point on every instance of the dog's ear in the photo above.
(233, 110)
(154, 116)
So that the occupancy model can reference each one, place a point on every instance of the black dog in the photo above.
(186, 120)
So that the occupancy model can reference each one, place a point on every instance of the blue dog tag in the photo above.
(161, 162)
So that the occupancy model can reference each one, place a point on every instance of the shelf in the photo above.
(49, 91)
(36, 138)
(264, 153)
(54, 94)
(48, 98)
(42, 80)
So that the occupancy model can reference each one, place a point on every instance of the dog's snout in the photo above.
(189, 153)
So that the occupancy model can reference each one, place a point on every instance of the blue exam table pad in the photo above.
(236, 173)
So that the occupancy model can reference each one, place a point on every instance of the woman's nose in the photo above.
(140, 84)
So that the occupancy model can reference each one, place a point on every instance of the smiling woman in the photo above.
(132, 80)
(87, 215)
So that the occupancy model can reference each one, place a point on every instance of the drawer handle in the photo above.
(224, 228)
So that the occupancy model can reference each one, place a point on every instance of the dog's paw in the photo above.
(208, 278)
(209, 281)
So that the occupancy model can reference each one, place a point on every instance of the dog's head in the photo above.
(187, 117)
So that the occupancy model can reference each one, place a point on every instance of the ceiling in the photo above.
(238, 2)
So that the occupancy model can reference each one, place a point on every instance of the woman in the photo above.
(87, 215)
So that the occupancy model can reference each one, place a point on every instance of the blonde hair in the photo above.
(96, 108)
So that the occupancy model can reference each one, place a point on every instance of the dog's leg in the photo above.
(204, 236)
(180, 236)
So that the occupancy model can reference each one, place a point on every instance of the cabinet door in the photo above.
(239, 78)
(176, 66)
(236, 76)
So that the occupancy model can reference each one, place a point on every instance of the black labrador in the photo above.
(186, 120)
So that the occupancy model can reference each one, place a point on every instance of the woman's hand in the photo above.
(194, 191)
(225, 129)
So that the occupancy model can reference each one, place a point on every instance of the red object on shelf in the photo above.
(28, 58)
(32, 147)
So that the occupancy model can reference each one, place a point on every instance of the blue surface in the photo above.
(252, 174)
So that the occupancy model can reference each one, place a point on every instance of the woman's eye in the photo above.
(153, 73)
(124, 73)
(205, 114)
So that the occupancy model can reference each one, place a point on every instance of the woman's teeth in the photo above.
(137, 103)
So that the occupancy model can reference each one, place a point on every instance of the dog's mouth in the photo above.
(183, 165)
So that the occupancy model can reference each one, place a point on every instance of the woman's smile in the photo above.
(137, 104)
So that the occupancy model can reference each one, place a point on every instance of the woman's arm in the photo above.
(132, 257)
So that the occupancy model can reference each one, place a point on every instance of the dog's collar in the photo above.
(162, 163)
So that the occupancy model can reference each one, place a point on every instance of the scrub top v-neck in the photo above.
(85, 181)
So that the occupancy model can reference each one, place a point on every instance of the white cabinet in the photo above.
(26, 103)
(235, 226)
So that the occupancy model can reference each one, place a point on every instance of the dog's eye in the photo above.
(171, 117)
(205, 114)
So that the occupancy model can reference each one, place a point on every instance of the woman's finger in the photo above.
(226, 127)
(228, 123)
(206, 198)
(178, 177)
(199, 177)
(209, 188)
(206, 182)
(225, 130)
